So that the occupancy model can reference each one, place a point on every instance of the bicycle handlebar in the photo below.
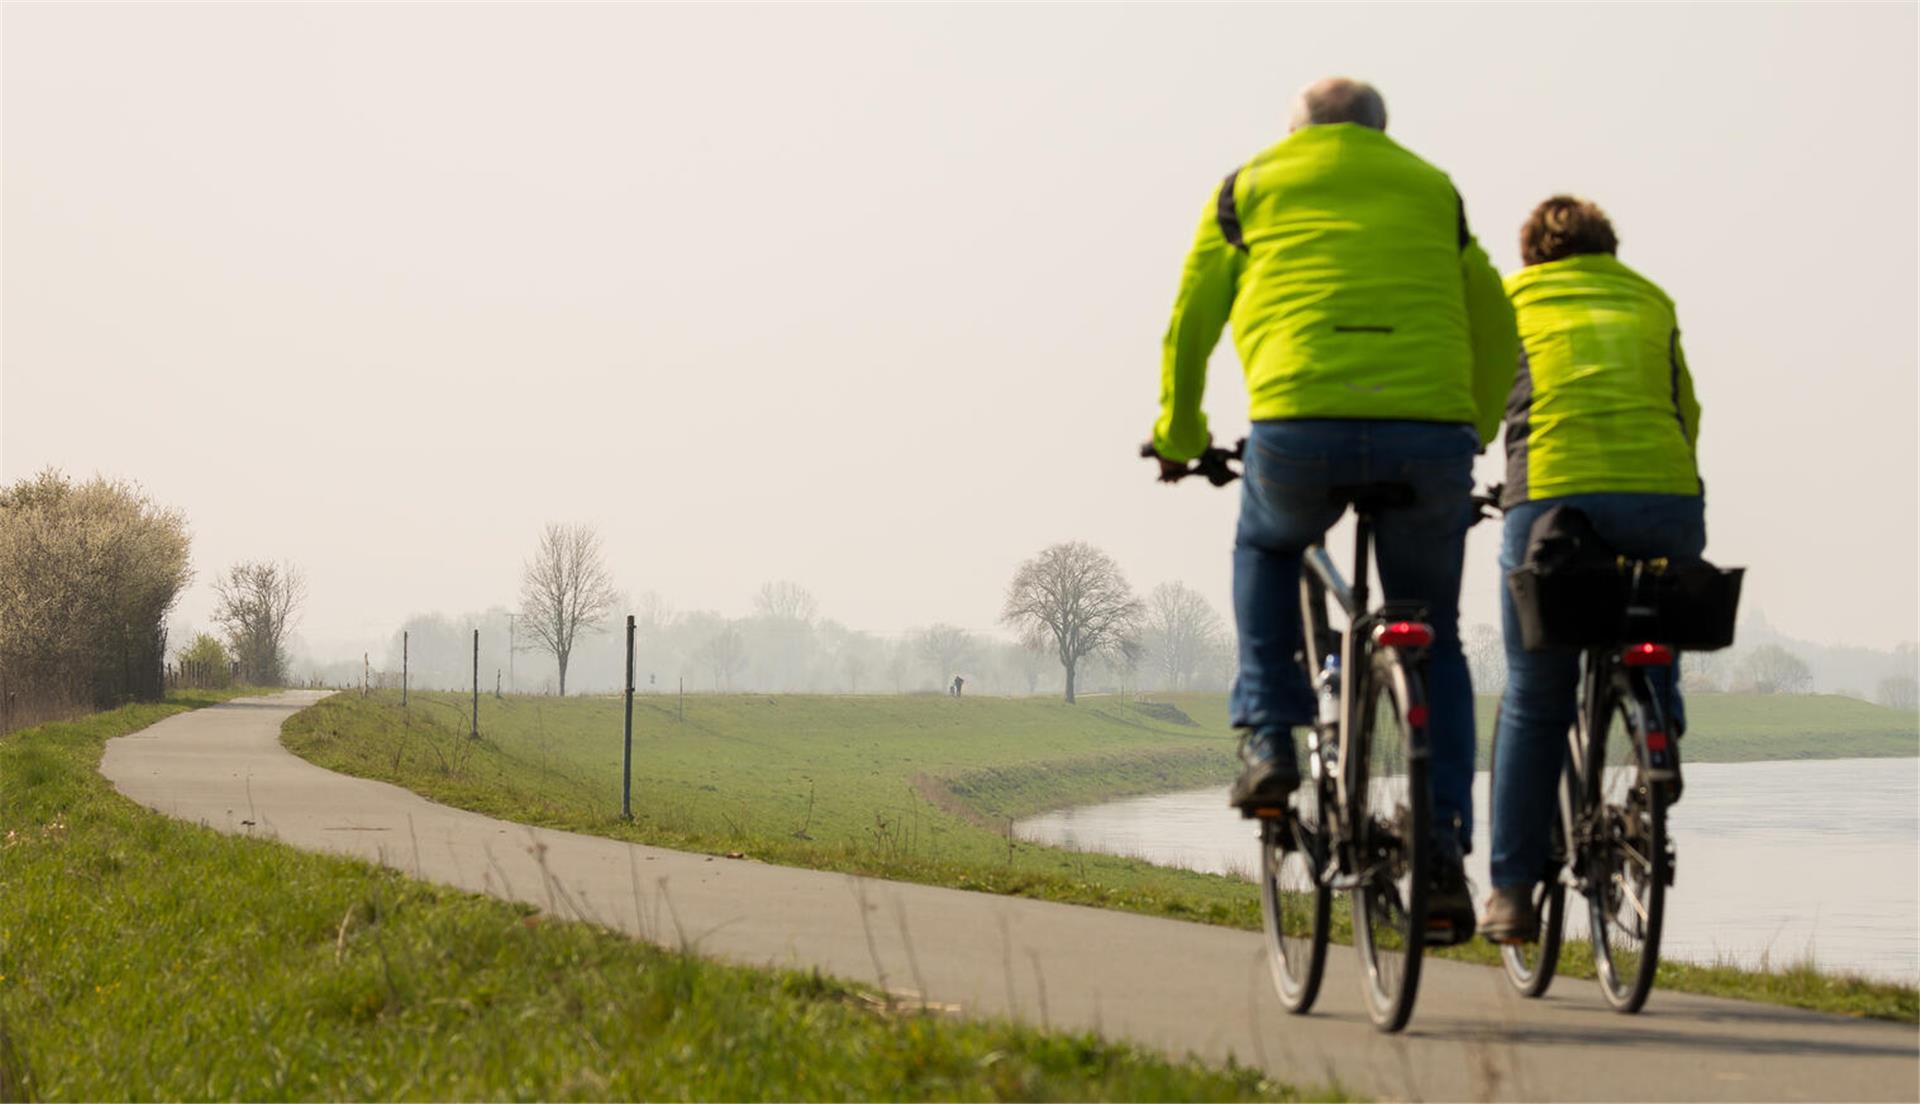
(1487, 506)
(1214, 463)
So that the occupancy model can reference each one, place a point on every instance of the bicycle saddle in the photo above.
(1373, 496)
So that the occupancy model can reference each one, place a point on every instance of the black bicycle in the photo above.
(1610, 841)
(1360, 822)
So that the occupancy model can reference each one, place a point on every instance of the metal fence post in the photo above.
(474, 732)
(626, 761)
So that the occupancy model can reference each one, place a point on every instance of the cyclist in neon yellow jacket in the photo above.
(1377, 346)
(1602, 417)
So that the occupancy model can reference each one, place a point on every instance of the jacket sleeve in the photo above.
(1200, 312)
(1496, 340)
(1684, 402)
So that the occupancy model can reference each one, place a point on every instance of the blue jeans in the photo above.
(1285, 506)
(1530, 746)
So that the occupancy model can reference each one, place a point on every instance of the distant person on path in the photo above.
(1378, 346)
(1602, 417)
(958, 682)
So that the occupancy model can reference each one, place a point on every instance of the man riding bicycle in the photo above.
(1378, 347)
(1602, 418)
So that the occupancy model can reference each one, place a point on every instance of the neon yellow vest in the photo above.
(1603, 401)
(1354, 290)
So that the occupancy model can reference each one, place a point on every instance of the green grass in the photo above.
(915, 788)
(918, 789)
(141, 957)
(1734, 728)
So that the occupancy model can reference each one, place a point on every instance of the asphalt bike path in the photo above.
(1177, 987)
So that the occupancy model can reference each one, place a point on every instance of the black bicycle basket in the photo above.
(1574, 592)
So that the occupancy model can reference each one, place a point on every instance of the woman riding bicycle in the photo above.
(1602, 417)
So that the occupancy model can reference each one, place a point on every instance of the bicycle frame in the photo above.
(1319, 579)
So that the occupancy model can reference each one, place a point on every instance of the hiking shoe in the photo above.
(1510, 916)
(1271, 775)
(1449, 903)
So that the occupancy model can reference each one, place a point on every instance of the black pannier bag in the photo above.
(1574, 591)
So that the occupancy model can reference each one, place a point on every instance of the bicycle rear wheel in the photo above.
(1294, 903)
(1530, 966)
(1392, 841)
(1627, 861)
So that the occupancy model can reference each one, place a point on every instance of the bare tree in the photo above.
(785, 613)
(724, 654)
(564, 589)
(853, 652)
(1704, 672)
(255, 604)
(899, 665)
(1073, 597)
(1027, 663)
(946, 647)
(785, 601)
(1771, 669)
(1898, 692)
(1180, 630)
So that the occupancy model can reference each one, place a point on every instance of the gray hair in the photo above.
(1339, 100)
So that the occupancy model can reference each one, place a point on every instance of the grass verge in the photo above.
(144, 957)
(850, 784)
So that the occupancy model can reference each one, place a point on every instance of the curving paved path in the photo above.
(1175, 986)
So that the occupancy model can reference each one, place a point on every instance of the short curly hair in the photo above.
(1565, 226)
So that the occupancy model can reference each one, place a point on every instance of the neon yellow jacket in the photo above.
(1354, 289)
(1603, 400)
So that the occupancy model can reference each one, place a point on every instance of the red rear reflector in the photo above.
(1404, 634)
(1417, 716)
(1647, 655)
(1656, 741)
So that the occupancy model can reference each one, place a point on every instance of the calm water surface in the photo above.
(1776, 860)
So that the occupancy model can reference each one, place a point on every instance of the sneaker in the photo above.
(1449, 903)
(1510, 916)
(1270, 777)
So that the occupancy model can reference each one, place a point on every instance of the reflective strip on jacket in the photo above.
(1603, 400)
(1354, 289)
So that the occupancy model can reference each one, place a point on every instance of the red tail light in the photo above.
(1403, 634)
(1647, 655)
(1417, 716)
(1656, 741)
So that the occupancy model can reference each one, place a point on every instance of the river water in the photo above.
(1777, 861)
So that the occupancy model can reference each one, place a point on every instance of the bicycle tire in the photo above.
(1295, 904)
(1389, 807)
(1627, 860)
(1530, 966)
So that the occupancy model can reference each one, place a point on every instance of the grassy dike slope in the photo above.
(141, 957)
(1734, 728)
(918, 789)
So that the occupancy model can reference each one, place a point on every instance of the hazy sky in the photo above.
(871, 298)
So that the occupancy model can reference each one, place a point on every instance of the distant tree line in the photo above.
(564, 635)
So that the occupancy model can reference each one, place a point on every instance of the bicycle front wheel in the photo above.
(1294, 903)
(1392, 841)
(1530, 966)
(1627, 859)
